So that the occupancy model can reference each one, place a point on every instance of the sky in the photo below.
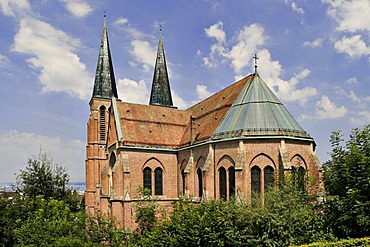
(314, 54)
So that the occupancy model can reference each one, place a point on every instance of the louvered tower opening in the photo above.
(102, 123)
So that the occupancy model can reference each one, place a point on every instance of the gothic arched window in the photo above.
(231, 181)
(183, 181)
(222, 180)
(301, 180)
(269, 177)
(112, 162)
(200, 182)
(102, 128)
(147, 178)
(294, 176)
(256, 179)
(158, 181)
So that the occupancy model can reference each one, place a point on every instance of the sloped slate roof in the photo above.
(258, 112)
(161, 92)
(105, 82)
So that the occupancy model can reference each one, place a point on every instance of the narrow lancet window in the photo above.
(112, 162)
(148, 179)
(269, 177)
(222, 176)
(183, 182)
(158, 181)
(231, 182)
(200, 182)
(256, 179)
(301, 180)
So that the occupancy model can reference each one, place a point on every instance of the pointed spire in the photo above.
(161, 92)
(105, 83)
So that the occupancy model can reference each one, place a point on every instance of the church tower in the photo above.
(161, 92)
(97, 126)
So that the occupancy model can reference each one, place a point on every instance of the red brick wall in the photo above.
(114, 189)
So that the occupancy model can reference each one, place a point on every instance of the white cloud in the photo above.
(16, 148)
(361, 118)
(216, 31)
(351, 15)
(217, 50)
(248, 40)
(294, 6)
(52, 55)
(203, 92)
(316, 43)
(178, 101)
(326, 109)
(360, 101)
(4, 60)
(121, 21)
(143, 53)
(297, 9)
(245, 45)
(286, 90)
(352, 80)
(14, 7)
(78, 8)
(353, 46)
(132, 91)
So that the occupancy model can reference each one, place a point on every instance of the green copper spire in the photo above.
(105, 83)
(161, 93)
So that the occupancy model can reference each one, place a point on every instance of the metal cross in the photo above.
(255, 63)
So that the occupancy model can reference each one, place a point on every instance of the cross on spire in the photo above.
(255, 63)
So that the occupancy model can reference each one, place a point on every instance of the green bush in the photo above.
(360, 242)
(287, 217)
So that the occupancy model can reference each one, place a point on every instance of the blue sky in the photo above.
(315, 55)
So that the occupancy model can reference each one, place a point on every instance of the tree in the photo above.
(43, 177)
(347, 184)
(287, 217)
(50, 224)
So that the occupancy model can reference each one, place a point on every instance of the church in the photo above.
(236, 142)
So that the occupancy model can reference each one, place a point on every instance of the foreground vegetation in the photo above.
(45, 212)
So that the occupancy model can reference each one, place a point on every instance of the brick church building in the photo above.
(235, 142)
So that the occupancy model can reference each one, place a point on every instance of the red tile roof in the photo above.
(155, 126)
(165, 127)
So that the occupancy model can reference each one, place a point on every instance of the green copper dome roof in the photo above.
(258, 112)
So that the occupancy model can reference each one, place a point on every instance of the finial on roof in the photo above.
(255, 63)
(160, 28)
